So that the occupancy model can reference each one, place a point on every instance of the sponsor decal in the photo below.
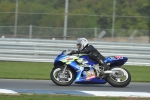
(90, 74)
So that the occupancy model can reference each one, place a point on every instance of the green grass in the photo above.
(61, 97)
(34, 70)
(25, 70)
(139, 73)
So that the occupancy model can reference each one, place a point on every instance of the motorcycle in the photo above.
(81, 69)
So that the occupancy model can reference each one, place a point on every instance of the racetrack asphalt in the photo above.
(48, 87)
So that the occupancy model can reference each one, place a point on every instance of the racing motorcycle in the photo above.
(81, 69)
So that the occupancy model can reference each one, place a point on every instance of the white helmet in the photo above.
(81, 43)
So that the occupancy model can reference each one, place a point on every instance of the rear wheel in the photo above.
(120, 78)
(60, 78)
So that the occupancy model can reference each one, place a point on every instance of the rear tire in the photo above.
(56, 76)
(117, 82)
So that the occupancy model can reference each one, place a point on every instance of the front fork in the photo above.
(64, 70)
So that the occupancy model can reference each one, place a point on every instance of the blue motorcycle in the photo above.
(81, 69)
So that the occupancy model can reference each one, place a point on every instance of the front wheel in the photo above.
(60, 78)
(120, 78)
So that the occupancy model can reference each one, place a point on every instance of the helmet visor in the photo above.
(78, 45)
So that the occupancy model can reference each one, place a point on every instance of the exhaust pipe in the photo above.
(109, 72)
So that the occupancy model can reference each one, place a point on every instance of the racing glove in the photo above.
(72, 52)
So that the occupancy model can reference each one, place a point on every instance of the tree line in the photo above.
(129, 14)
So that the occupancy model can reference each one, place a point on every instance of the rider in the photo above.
(84, 48)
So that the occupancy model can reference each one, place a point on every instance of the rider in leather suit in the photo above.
(84, 48)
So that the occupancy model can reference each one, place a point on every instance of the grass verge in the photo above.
(35, 70)
(61, 97)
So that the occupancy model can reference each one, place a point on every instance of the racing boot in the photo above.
(103, 65)
(100, 70)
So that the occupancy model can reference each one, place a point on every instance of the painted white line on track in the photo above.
(118, 94)
(5, 91)
(92, 93)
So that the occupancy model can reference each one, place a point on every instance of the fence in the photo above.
(39, 50)
(33, 32)
(100, 20)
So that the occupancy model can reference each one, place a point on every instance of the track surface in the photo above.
(17, 84)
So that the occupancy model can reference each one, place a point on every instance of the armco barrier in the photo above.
(40, 50)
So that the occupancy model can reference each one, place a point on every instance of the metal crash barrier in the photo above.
(44, 50)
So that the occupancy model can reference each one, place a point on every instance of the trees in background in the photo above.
(130, 14)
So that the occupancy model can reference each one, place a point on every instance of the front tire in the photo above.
(121, 78)
(62, 79)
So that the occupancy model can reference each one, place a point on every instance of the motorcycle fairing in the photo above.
(116, 60)
(81, 76)
(83, 79)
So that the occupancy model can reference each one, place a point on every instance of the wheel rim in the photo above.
(120, 75)
(66, 77)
